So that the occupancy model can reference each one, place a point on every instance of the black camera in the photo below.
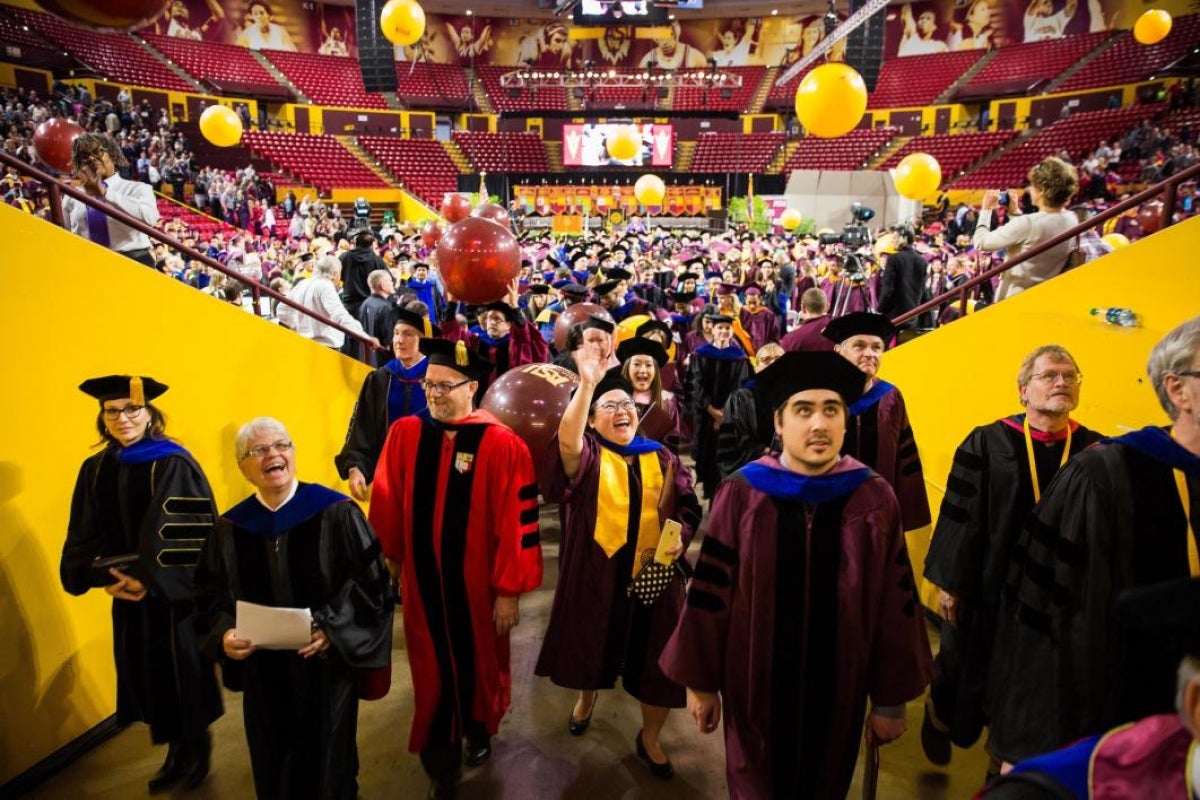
(1004, 199)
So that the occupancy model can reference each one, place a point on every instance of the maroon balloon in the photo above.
(496, 213)
(431, 233)
(1150, 216)
(117, 15)
(572, 316)
(52, 143)
(531, 400)
(478, 260)
(456, 207)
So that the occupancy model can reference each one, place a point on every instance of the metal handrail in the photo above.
(57, 188)
(1167, 187)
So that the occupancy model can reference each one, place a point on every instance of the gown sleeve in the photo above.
(85, 542)
(960, 538)
(214, 594)
(363, 437)
(516, 542)
(737, 440)
(386, 514)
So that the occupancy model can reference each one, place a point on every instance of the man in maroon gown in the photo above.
(814, 316)
(455, 508)
(507, 338)
(759, 321)
(803, 604)
(878, 432)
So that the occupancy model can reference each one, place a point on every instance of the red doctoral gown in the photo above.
(460, 515)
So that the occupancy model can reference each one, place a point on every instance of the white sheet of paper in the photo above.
(271, 628)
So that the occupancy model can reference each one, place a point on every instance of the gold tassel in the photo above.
(428, 328)
(460, 353)
(137, 395)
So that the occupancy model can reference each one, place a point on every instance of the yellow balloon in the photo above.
(917, 176)
(221, 126)
(1116, 240)
(627, 329)
(790, 219)
(1152, 27)
(831, 100)
(650, 190)
(624, 141)
(402, 21)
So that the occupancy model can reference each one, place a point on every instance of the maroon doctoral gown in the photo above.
(808, 337)
(596, 630)
(763, 326)
(460, 516)
(803, 606)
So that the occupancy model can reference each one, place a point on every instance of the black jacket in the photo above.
(901, 284)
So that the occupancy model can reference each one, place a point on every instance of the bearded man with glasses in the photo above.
(1118, 516)
(999, 473)
(455, 505)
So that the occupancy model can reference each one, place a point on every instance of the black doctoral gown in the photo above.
(301, 715)
(713, 374)
(151, 499)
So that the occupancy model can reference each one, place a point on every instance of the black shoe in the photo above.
(577, 726)
(934, 742)
(661, 771)
(442, 790)
(171, 770)
(198, 762)
(478, 752)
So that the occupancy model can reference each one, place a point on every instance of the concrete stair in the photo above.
(279, 76)
(963, 79)
(458, 157)
(684, 153)
(885, 152)
(169, 64)
(781, 158)
(482, 101)
(763, 91)
(1083, 62)
(393, 101)
(362, 155)
(554, 155)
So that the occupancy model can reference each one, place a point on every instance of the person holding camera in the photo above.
(1052, 183)
(902, 282)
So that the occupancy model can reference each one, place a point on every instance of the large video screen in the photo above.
(586, 145)
(614, 12)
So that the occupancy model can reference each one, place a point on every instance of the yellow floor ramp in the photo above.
(965, 374)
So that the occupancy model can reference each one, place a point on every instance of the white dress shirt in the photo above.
(133, 197)
(318, 294)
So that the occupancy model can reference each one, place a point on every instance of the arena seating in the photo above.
(735, 152)
(689, 98)
(954, 152)
(785, 96)
(422, 164)
(1036, 60)
(547, 98)
(219, 63)
(599, 97)
(508, 151)
(849, 152)
(438, 85)
(116, 56)
(18, 32)
(918, 80)
(1077, 135)
(319, 160)
(327, 80)
(1127, 61)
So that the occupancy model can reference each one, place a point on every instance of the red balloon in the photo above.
(531, 400)
(52, 143)
(572, 316)
(1150, 216)
(496, 213)
(431, 233)
(478, 260)
(455, 207)
(118, 15)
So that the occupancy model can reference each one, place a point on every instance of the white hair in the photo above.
(327, 266)
(1173, 354)
(241, 442)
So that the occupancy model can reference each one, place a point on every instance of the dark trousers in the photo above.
(142, 256)
(442, 762)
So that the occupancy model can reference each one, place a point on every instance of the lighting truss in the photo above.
(852, 23)
(533, 78)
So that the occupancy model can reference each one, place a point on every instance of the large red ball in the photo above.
(496, 213)
(572, 316)
(52, 143)
(478, 260)
(456, 207)
(431, 233)
(531, 400)
(117, 15)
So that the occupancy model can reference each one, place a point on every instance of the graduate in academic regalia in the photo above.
(747, 430)
(569, 295)
(455, 507)
(730, 306)
(716, 370)
(1119, 515)
(642, 361)
(814, 316)
(145, 497)
(878, 433)
(659, 331)
(301, 546)
(803, 606)
(427, 291)
(506, 339)
(617, 489)
(1155, 757)
(760, 322)
(992, 488)
(389, 393)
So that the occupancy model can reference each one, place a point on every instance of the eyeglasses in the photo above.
(1188, 373)
(613, 406)
(274, 447)
(1069, 378)
(442, 388)
(129, 411)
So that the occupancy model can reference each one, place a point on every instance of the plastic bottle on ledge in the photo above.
(1116, 316)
